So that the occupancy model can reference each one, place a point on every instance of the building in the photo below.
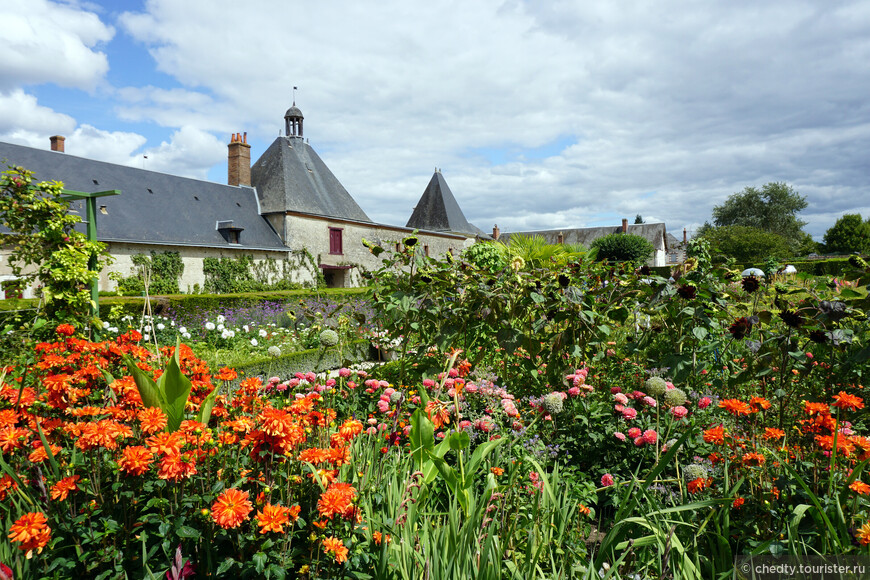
(656, 234)
(288, 213)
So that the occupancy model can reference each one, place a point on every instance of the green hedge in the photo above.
(828, 267)
(315, 359)
(187, 302)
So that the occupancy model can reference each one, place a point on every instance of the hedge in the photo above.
(828, 267)
(314, 359)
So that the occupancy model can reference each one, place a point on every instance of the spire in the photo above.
(293, 119)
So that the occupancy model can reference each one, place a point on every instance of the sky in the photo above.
(539, 114)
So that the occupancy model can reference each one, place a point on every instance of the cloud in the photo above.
(190, 152)
(24, 121)
(48, 42)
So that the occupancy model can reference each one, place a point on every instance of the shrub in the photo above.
(624, 248)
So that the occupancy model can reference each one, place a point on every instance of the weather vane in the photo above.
(294, 96)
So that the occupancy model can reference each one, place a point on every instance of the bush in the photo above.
(746, 244)
(624, 248)
(485, 255)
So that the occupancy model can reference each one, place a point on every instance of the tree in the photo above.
(638, 219)
(747, 244)
(624, 248)
(772, 209)
(849, 235)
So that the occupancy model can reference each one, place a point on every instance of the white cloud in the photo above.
(190, 152)
(47, 41)
(24, 121)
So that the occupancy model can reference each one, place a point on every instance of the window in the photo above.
(335, 241)
(426, 250)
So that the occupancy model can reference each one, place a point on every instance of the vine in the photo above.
(45, 247)
(164, 270)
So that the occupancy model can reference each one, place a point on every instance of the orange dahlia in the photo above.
(337, 500)
(844, 400)
(64, 487)
(736, 407)
(336, 547)
(152, 420)
(773, 434)
(135, 460)
(751, 459)
(863, 534)
(812, 408)
(32, 531)
(859, 487)
(273, 518)
(231, 508)
(716, 435)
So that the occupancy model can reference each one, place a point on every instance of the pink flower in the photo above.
(650, 401)
(383, 406)
(670, 385)
(615, 390)
(679, 412)
(310, 377)
(344, 373)
(704, 402)
(618, 408)
(471, 388)
(453, 373)
(809, 355)
(509, 408)
(464, 424)
(383, 384)
(574, 391)
(351, 385)
(388, 392)
(428, 383)
(628, 413)
(620, 398)
(650, 436)
(330, 383)
(606, 480)
(619, 435)
(639, 442)
(634, 432)
(637, 395)
(371, 431)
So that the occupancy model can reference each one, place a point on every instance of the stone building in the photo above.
(287, 211)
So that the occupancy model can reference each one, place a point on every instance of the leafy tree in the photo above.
(773, 209)
(638, 219)
(747, 244)
(850, 234)
(624, 248)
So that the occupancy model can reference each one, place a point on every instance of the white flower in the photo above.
(161, 326)
(172, 322)
(105, 325)
(263, 333)
(182, 330)
(274, 351)
(220, 326)
(209, 325)
(113, 329)
(232, 333)
(221, 318)
(247, 329)
(254, 342)
(186, 335)
(225, 334)
(146, 337)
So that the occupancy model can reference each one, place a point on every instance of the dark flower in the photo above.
(564, 280)
(741, 328)
(645, 271)
(410, 241)
(792, 318)
(687, 291)
(750, 284)
(818, 337)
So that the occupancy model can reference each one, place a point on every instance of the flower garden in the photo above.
(563, 418)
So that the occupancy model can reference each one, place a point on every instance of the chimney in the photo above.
(560, 239)
(495, 232)
(684, 235)
(624, 225)
(57, 143)
(239, 160)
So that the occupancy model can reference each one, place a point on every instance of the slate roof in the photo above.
(438, 210)
(153, 208)
(655, 233)
(290, 176)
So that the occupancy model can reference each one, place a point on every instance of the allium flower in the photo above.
(679, 412)
(694, 471)
(31, 531)
(552, 403)
(675, 397)
(606, 480)
(656, 386)
(328, 338)
(274, 351)
(231, 508)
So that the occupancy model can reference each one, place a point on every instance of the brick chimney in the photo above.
(684, 236)
(57, 143)
(495, 232)
(561, 238)
(239, 160)
(624, 225)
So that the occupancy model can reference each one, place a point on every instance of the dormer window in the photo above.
(230, 233)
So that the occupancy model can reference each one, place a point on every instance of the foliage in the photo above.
(163, 271)
(533, 252)
(228, 275)
(773, 209)
(850, 235)
(630, 248)
(485, 256)
(745, 244)
(45, 246)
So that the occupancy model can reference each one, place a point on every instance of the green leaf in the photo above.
(225, 566)
(260, 559)
(55, 468)
(459, 440)
(176, 389)
(187, 532)
(422, 436)
(206, 407)
(700, 332)
(148, 390)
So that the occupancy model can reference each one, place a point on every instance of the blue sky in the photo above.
(539, 114)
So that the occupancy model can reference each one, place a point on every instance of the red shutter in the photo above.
(335, 241)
